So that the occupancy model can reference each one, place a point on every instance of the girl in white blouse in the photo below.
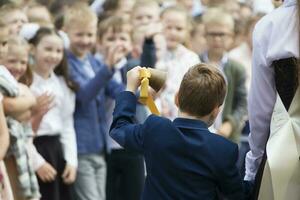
(274, 106)
(55, 135)
(178, 58)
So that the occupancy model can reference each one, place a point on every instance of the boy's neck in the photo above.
(205, 119)
(215, 57)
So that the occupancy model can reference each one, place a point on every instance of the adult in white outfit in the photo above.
(274, 106)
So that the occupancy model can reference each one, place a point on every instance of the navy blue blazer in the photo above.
(183, 159)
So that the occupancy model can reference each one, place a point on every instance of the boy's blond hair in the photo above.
(79, 14)
(202, 89)
(218, 16)
(145, 3)
(116, 23)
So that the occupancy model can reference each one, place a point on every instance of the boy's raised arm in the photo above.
(123, 129)
(89, 89)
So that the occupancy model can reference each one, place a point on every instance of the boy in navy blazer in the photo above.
(184, 159)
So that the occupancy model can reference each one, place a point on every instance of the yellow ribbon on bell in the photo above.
(154, 78)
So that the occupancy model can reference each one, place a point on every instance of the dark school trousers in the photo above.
(51, 150)
(125, 175)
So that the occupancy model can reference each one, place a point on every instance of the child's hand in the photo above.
(152, 30)
(46, 173)
(44, 103)
(133, 79)
(113, 55)
(69, 174)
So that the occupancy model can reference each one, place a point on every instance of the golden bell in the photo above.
(157, 78)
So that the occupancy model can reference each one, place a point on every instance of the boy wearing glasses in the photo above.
(219, 28)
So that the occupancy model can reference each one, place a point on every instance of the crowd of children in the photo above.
(63, 65)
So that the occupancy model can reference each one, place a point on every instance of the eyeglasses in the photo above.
(217, 34)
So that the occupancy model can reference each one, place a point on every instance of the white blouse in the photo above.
(59, 119)
(275, 37)
(176, 64)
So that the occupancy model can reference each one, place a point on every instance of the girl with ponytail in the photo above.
(274, 106)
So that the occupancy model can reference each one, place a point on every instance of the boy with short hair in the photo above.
(183, 159)
(94, 82)
(219, 28)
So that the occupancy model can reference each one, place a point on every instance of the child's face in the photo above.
(82, 38)
(15, 20)
(111, 39)
(277, 3)
(48, 53)
(218, 37)
(16, 60)
(174, 28)
(145, 16)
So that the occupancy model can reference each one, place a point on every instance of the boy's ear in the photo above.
(176, 100)
(216, 111)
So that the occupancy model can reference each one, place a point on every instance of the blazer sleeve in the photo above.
(123, 129)
(230, 182)
(114, 88)
(89, 88)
